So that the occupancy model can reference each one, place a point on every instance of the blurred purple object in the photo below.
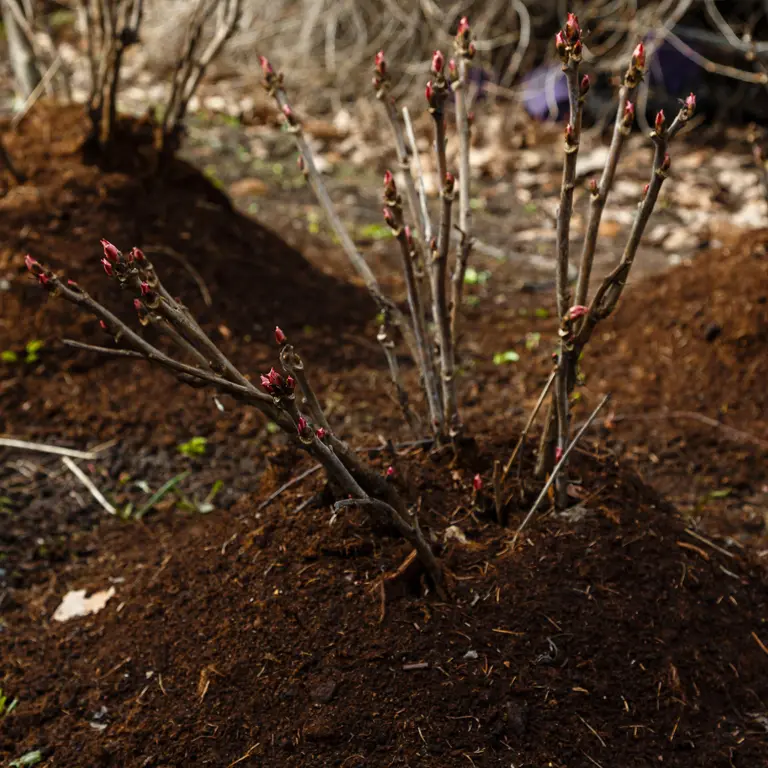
(545, 91)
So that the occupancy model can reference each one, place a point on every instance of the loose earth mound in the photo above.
(613, 634)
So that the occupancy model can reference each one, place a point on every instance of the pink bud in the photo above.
(43, 278)
(144, 287)
(463, 29)
(666, 163)
(380, 63)
(629, 113)
(280, 337)
(638, 56)
(275, 379)
(577, 49)
(558, 454)
(110, 251)
(103, 325)
(389, 218)
(584, 85)
(391, 472)
(31, 263)
(390, 190)
(107, 267)
(266, 384)
(137, 305)
(266, 67)
(408, 236)
(138, 255)
(578, 310)
(302, 425)
(690, 103)
(429, 93)
(450, 181)
(288, 112)
(477, 483)
(645, 190)
(560, 44)
(572, 28)
(658, 125)
(321, 433)
(438, 62)
(570, 134)
(290, 383)
(453, 71)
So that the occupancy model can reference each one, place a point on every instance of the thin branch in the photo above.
(425, 217)
(87, 482)
(464, 51)
(384, 338)
(293, 481)
(529, 423)
(556, 470)
(24, 445)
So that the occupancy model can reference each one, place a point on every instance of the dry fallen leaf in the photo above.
(76, 604)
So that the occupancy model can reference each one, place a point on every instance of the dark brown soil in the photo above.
(610, 636)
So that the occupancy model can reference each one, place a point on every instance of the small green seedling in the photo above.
(473, 277)
(6, 707)
(532, 340)
(9, 356)
(32, 348)
(30, 758)
(159, 494)
(510, 356)
(194, 447)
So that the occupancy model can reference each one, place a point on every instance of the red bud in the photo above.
(138, 255)
(409, 237)
(31, 263)
(570, 135)
(638, 56)
(645, 191)
(266, 67)
(429, 92)
(266, 384)
(690, 103)
(572, 28)
(577, 49)
(107, 267)
(584, 85)
(390, 472)
(390, 189)
(380, 63)
(629, 114)
(275, 379)
(302, 425)
(110, 251)
(103, 325)
(438, 62)
(453, 70)
(290, 383)
(577, 311)
(280, 337)
(560, 45)
(450, 181)
(321, 433)
(463, 29)
(471, 50)
(477, 483)
(389, 218)
(660, 122)
(137, 305)
(666, 163)
(558, 453)
(144, 288)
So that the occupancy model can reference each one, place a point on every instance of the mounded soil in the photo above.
(275, 636)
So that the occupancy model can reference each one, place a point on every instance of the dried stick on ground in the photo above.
(459, 72)
(209, 366)
(192, 64)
